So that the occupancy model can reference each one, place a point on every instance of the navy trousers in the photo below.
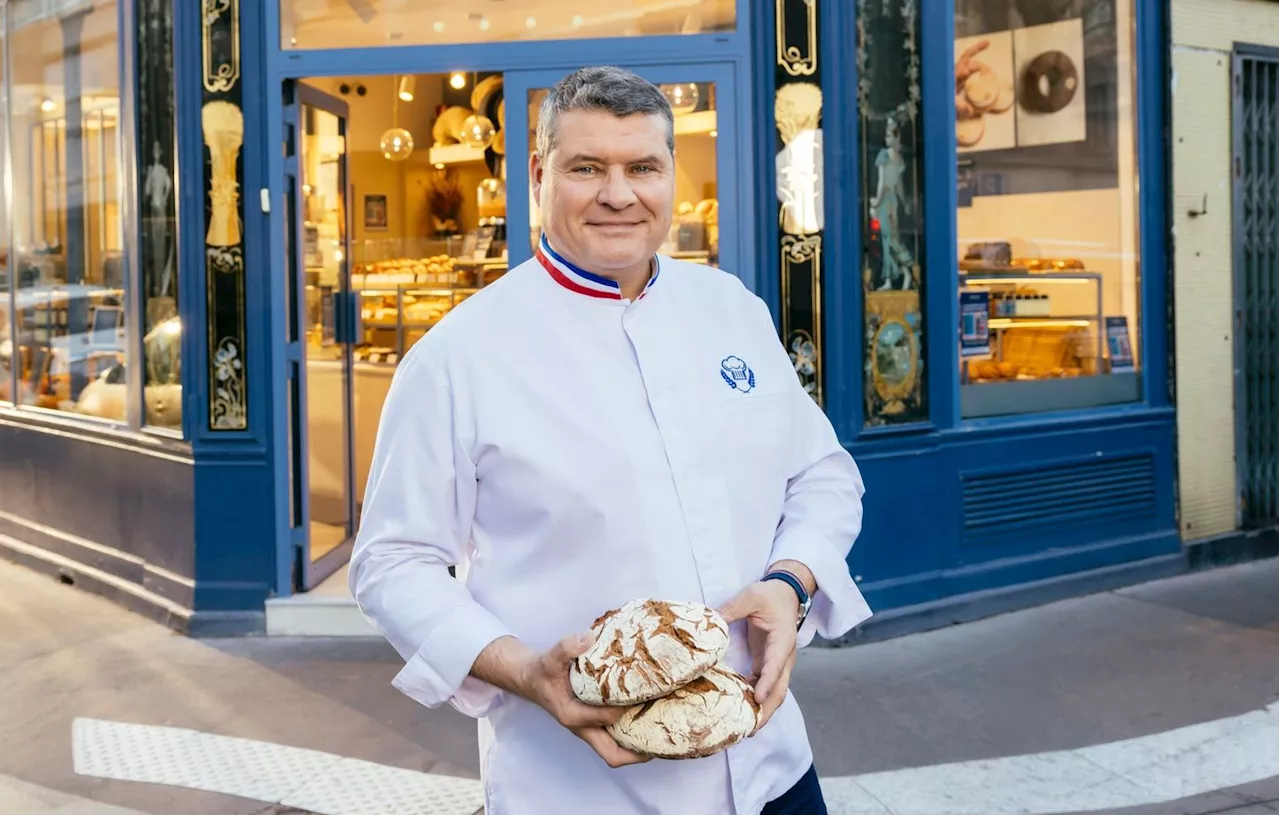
(805, 798)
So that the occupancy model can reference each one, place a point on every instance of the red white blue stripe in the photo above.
(581, 281)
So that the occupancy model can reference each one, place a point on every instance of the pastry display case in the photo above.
(393, 318)
(1043, 324)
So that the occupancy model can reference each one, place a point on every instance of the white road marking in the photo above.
(1146, 770)
(312, 780)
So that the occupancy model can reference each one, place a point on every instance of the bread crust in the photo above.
(709, 714)
(647, 649)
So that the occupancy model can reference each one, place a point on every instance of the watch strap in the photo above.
(794, 582)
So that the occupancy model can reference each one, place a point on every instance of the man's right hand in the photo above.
(544, 680)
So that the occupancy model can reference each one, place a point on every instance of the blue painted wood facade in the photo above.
(953, 506)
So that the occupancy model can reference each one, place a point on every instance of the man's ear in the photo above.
(535, 176)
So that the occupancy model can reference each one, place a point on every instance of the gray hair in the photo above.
(605, 88)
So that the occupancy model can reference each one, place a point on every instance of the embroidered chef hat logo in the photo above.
(737, 374)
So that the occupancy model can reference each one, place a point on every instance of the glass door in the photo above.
(321, 329)
(703, 227)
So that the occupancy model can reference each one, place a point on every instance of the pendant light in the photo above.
(397, 143)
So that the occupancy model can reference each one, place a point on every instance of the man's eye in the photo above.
(643, 169)
(584, 170)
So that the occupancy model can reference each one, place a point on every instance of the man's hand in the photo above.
(544, 680)
(770, 608)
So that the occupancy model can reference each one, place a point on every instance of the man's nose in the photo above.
(616, 192)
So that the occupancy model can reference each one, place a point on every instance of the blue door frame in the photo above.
(724, 58)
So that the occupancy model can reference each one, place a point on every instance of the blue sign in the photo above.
(975, 334)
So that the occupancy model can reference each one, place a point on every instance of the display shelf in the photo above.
(1001, 325)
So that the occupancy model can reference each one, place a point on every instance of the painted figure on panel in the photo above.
(895, 261)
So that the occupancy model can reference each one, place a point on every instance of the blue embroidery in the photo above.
(737, 374)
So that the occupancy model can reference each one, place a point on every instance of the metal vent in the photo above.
(1012, 504)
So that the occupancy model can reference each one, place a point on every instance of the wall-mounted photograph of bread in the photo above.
(1020, 88)
(1049, 60)
(985, 93)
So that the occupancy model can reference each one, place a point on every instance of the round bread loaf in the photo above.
(647, 649)
(970, 131)
(982, 87)
(715, 711)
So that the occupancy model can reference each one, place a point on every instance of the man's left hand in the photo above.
(770, 608)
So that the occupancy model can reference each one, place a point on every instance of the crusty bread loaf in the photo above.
(646, 649)
(709, 714)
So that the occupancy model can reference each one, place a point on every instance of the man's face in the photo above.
(606, 190)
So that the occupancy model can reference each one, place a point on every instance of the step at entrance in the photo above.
(328, 610)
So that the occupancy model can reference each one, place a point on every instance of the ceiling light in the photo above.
(577, 21)
(47, 105)
(484, 23)
(407, 83)
(437, 26)
(530, 22)
(457, 80)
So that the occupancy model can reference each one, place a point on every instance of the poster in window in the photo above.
(1118, 346)
(975, 334)
(375, 213)
(1037, 94)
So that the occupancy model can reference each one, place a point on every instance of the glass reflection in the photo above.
(70, 348)
(307, 24)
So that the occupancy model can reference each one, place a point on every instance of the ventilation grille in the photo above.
(1000, 505)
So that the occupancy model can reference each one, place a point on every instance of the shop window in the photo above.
(157, 214)
(413, 184)
(7, 346)
(68, 346)
(1047, 222)
(890, 168)
(312, 24)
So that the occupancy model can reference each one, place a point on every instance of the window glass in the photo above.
(891, 164)
(158, 251)
(6, 303)
(70, 346)
(340, 24)
(423, 208)
(1047, 221)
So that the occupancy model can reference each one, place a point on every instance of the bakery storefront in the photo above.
(946, 220)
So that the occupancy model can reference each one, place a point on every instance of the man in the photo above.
(603, 424)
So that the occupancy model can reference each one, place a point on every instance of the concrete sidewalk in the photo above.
(1027, 690)
(20, 798)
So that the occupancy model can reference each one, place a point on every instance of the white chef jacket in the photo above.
(570, 450)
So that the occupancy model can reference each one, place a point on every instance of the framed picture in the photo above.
(375, 213)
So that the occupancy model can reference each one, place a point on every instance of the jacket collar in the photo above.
(579, 280)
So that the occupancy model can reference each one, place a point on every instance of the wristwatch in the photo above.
(794, 582)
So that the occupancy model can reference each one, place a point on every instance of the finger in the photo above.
(614, 754)
(776, 650)
(737, 608)
(776, 697)
(570, 647)
(580, 714)
(779, 692)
